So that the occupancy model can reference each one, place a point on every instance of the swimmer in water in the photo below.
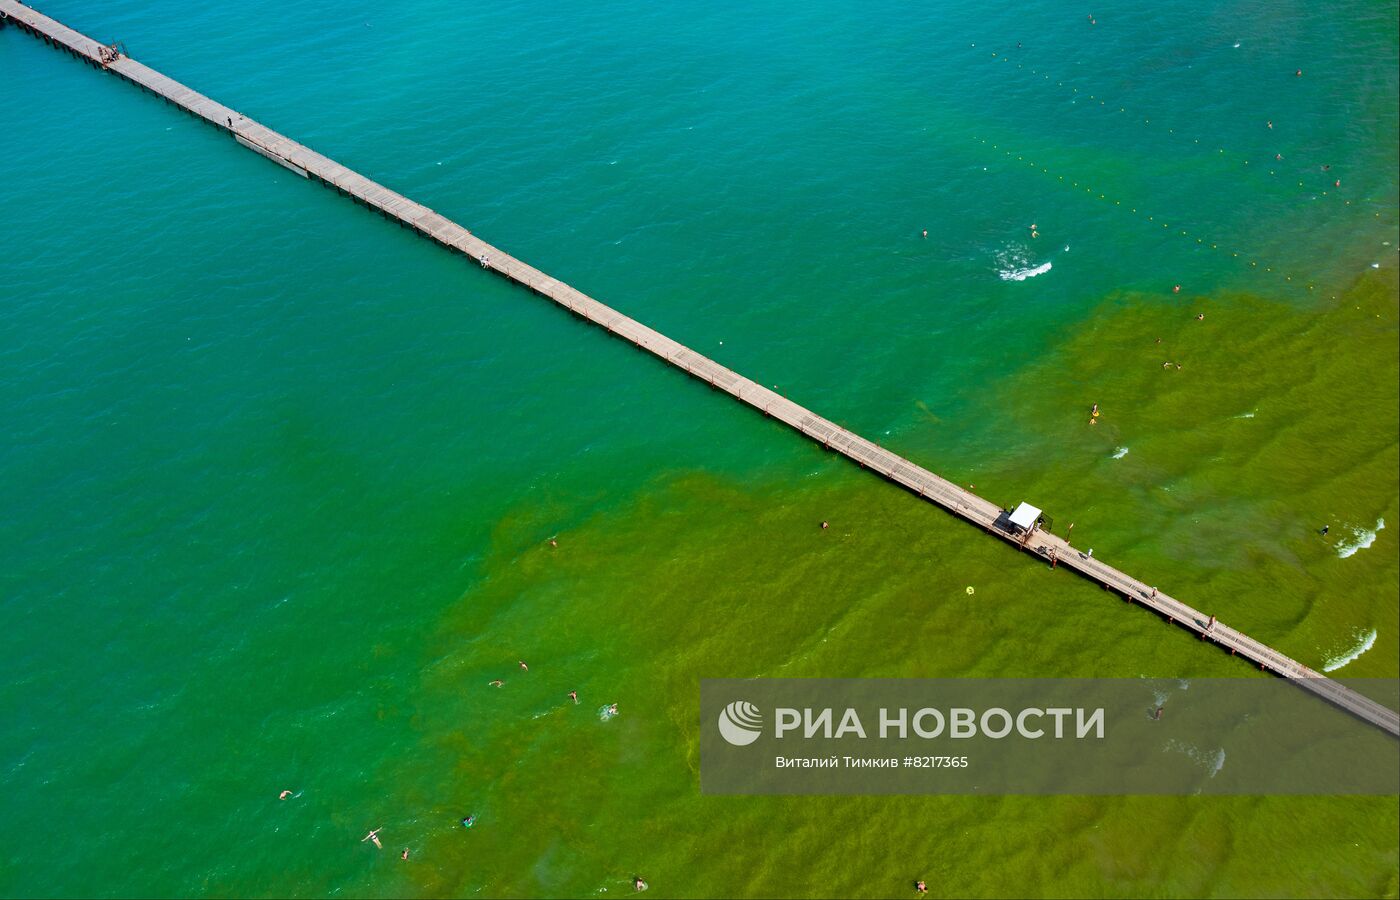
(374, 836)
(925, 232)
(1200, 317)
(1157, 716)
(469, 821)
(825, 526)
(638, 883)
(404, 854)
(523, 667)
(1271, 125)
(1176, 289)
(612, 710)
(1095, 411)
(497, 683)
(284, 795)
(920, 886)
(573, 695)
(553, 542)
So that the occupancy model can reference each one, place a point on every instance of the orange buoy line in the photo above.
(1202, 241)
(1096, 97)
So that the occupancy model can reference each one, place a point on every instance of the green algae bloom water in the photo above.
(288, 489)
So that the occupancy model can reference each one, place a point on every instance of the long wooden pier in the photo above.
(964, 504)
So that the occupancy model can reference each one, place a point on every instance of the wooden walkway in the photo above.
(962, 503)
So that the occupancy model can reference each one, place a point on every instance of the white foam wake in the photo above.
(1013, 264)
(1023, 274)
(1363, 539)
(1120, 453)
(1160, 695)
(1366, 642)
(1212, 761)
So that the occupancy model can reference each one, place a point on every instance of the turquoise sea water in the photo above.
(280, 477)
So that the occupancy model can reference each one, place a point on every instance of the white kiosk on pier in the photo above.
(1024, 517)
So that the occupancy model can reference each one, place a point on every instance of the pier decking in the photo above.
(962, 503)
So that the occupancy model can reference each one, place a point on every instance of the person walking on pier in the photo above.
(1210, 626)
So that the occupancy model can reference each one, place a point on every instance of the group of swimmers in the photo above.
(469, 820)
(638, 883)
(573, 695)
(373, 836)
